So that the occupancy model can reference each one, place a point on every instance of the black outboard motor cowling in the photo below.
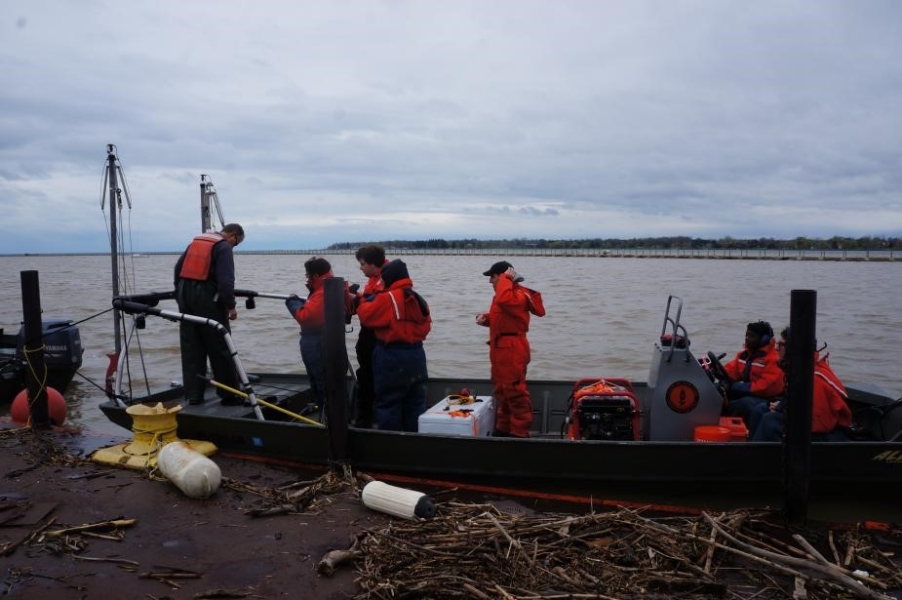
(62, 350)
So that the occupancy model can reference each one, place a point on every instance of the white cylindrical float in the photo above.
(396, 501)
(192, 472)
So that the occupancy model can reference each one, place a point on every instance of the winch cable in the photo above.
(128, 363)
(75, 324)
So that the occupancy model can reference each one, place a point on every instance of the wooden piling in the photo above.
(335, 360)
(33, 349)
(799, 397)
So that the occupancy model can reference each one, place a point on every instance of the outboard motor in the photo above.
(681, 396)
(10, 368)
(62, 351)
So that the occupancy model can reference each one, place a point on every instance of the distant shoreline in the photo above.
(694, 253)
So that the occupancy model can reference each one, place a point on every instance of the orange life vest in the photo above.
(199, 257)
(397, 315)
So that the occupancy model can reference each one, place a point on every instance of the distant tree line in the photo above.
(682, 242)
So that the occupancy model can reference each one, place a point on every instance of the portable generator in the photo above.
(603, 409)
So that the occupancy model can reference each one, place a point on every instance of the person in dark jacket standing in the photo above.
(400, 319)
(509, 351)
(205, 287)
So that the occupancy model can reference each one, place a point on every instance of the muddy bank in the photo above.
(70, 528)
(174, 546)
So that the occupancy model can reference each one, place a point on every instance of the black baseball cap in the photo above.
(498, 268)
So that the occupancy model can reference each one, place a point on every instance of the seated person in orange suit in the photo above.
(755, 373)
(831, 416)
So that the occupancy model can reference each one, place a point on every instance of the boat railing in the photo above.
(676, 335)
(251, 294)
(145, 304)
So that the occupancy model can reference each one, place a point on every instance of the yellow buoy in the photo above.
(153, 426)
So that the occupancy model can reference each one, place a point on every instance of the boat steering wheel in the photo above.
(719, 372)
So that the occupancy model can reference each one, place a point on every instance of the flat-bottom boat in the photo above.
(604, 434)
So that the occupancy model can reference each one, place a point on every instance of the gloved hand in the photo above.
(294, 304)
(738, 389)
(511, 272)
(353, 288)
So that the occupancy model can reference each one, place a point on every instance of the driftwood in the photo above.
(333, 559)
(852, 586)
(223, 593)
(120, 561)
(168, 575)
(287, 499)
(478, 551)
(111, 524)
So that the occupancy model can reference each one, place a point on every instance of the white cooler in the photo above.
(452, 418)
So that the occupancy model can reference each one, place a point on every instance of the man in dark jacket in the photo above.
(205, 287)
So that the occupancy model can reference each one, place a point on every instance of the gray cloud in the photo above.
(325, 122)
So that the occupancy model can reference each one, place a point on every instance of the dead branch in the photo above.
(333, 559)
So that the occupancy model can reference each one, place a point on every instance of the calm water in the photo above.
(604, 314)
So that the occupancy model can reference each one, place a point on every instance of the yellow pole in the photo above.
(265, 403)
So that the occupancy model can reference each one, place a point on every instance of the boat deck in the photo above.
(271, 388)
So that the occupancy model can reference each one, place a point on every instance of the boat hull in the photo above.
(657, 469)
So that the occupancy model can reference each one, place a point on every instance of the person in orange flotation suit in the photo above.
(509, 352)
(831, 416)
(205, 287)
(400, 319)
(310, 313)
(371, 259)
(755, 375)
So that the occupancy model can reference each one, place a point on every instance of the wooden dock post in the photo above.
(800, 391)
(335, 360)
(33, 349)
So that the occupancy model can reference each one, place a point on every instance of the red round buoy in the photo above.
(56, 407)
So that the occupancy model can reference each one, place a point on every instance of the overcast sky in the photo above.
(323, 122)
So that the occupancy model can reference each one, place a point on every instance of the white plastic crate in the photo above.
(450, 417)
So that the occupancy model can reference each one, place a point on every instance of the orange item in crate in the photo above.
(738, 431)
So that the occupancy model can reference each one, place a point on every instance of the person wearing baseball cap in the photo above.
(509, 351)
